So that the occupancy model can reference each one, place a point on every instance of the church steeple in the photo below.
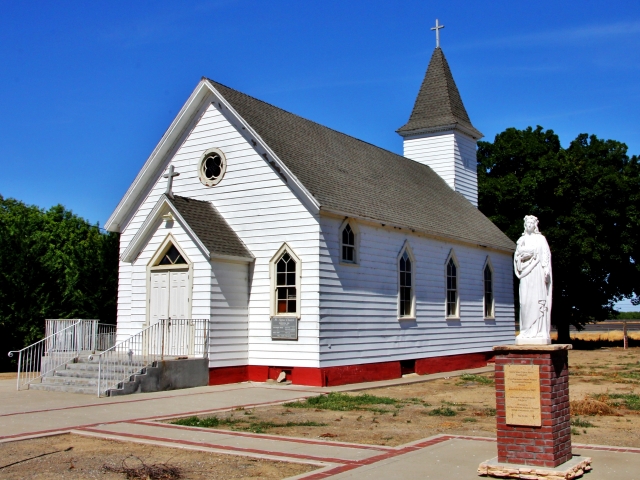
(439, 132)
(438, 105)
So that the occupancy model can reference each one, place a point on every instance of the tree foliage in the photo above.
(587, 198)
(53, 264)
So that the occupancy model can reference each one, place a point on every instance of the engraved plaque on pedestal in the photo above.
(522, 395)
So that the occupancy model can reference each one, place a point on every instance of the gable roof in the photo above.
(202, 223)
(211, 228)
(438, 103)
(350, 177)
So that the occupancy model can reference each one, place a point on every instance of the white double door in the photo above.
(169, 299)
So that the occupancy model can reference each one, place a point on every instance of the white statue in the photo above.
(532, 264)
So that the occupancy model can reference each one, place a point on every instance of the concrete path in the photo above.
(138, 418)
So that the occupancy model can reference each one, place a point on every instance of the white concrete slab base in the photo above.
(533, 341)
(574, 468)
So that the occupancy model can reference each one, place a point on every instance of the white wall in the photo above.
(466, 167)
(265, 213)
(359, 303)
(452, 155)
(229, 293)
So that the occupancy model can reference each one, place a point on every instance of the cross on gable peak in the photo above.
(171, 173)
(437, 29)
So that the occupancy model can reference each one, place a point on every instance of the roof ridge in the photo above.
(311, 121)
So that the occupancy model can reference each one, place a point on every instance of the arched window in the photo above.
(348, 245)
(286, 292)
(285, 283)
(406, 287)
(349, 236)
(453, 300)
(488, 291)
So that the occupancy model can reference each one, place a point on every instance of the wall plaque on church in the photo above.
(522, 395)
(284, 328)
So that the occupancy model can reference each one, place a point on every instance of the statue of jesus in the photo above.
(532, 264)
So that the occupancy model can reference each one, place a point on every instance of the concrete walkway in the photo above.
(138, 418)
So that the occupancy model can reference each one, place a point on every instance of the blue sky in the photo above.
(88, 88)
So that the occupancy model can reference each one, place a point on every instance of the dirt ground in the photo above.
(88, 457)
(463, 406)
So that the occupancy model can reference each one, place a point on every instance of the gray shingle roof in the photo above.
(353, 177)
(210, 227)
(438, 103)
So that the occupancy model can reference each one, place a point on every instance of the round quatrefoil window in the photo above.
(213, 165)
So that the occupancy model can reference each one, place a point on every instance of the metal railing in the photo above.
(55, 350)
(106, 337)
(64, 340)
(92, 335)
(166, 338)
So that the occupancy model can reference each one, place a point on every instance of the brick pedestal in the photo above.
(549, 444)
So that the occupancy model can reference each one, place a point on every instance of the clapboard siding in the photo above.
(452, 155)
(358, 311)
(265, 213)
(436, 151)
(229, 297)
(466, 171)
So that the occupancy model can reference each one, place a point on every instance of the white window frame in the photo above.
(152, 266)
(407, 248)
(451, 256)
(223, 168)
(489, 265)
(356, 242)
(285, 248)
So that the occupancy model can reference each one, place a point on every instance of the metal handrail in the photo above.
(166, 338)
(44, 356)
(105, 337)
(95, 336)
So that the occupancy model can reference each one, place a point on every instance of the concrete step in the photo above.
(64, 388)
(58, 380)
(89, 374)
(94, 361)
(93, 367)
(88, 382)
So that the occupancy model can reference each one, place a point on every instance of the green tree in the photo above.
(587, 198)
(53, 264)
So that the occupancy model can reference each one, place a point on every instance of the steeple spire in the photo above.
(438, 104)
(439, 133)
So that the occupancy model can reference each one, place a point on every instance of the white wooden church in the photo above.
(312, 252)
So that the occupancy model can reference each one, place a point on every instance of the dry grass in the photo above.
(611, 336)
(591, 406)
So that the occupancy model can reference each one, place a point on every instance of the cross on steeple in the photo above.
(437, 29)
(169, 176)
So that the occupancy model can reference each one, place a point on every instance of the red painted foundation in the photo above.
(342, 375)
